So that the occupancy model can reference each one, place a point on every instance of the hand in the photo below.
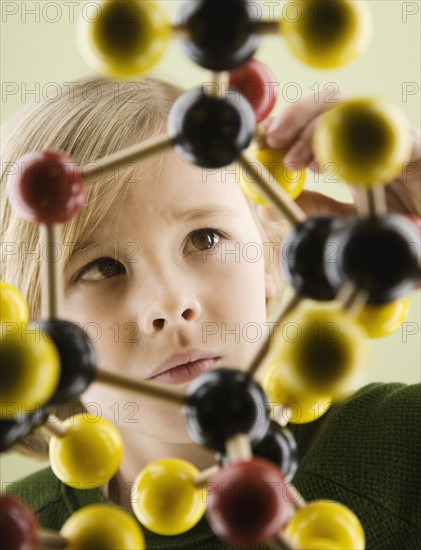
(293, 130)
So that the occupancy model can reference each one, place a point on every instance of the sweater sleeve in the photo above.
(366, 454)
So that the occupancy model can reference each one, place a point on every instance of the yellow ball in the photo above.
(325, 33)
(292, 181)
(250, 189)
(326, 521)
(382, 320)
(166, 501)
(368, 140)
(303, 407)
(320, 350)
(29, 370)
(123, 38)
(102, 527)
(321, 544)
(89, 454)
(13, 306)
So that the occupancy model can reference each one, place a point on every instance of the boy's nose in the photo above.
(169, 314)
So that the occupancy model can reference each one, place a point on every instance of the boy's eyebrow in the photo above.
(205, 211)
(81, 246)
(208, 211)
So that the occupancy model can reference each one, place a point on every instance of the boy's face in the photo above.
(184, 279)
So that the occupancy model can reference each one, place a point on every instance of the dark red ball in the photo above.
(248, 502)
(47, 188)
(18, 526)
(257, 83)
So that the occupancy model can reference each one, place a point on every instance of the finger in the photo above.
(261, 131)
(318, 168)
(300, 154)
(316, 204)
(265, 123)
(285, 128)
(416, 144)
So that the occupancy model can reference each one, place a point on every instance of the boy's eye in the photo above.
(104, 268)
(201, 240)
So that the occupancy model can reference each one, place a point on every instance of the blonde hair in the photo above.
(88, 120)
(93, 118)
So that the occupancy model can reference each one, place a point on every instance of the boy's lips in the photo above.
(183, 367)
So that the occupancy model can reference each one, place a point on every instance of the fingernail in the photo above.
(276, 125)
(276, 141)
(277, 133)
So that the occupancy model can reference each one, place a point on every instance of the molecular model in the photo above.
(225, 410)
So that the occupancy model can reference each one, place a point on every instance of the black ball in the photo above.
(222, 34)
(279, 446)
(223, 403)
(303, 258)
(208, 131)
(13, 430)
(378, 255)
(77, 358)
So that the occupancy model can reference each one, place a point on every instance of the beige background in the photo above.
(38, 49)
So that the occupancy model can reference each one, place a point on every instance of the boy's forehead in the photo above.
(173, 192)
(169, 193)
(178, 185)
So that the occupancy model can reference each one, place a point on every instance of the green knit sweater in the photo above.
(365, 452)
